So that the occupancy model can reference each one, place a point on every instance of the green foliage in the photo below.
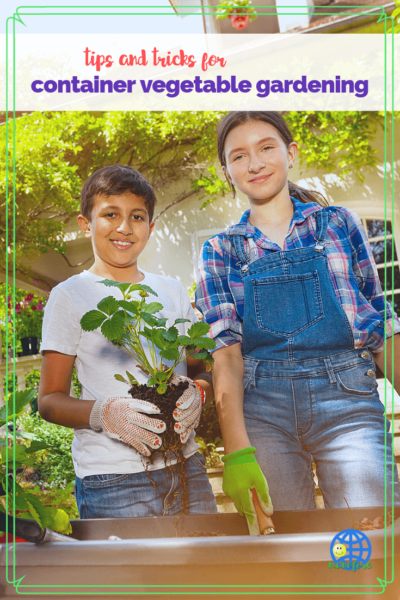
(126, 321)
(22, 398)
(209, 429)
(76, 385)
(228, 7)
(53, 465)
(336, 141)
(21, 456)
(57, 152)
(395, 19)
(209, 451)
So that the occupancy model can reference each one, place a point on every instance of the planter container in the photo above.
(160, 555)
(30, 345)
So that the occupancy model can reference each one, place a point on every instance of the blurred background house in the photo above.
(317, 16)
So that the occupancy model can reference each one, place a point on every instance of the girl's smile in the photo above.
(257, 161)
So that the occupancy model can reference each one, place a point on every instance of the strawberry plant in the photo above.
(127, 322)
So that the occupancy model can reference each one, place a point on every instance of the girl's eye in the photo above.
(238, 156)
(136, 217)
(267, 147)
(110, 214)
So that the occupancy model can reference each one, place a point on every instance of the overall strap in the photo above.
(237, 242)
(321, 219)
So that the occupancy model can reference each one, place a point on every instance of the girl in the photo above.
(295, 306)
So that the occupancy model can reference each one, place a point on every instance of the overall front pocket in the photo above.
(355, 380)
(287, 304)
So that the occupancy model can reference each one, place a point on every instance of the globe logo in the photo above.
(350, 545)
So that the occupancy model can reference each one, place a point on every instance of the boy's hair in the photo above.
(114, 180)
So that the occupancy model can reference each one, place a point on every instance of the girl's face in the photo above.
(257, 161)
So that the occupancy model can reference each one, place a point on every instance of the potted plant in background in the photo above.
(128, 323)
(240, 12)
(28, 322)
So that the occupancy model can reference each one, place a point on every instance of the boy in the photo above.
(113, 435)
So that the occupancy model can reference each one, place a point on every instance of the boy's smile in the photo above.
(119, 229)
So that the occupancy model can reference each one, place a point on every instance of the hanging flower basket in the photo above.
(240, 12)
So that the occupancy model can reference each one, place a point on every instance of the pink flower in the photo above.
(40, 305)
(29, 297)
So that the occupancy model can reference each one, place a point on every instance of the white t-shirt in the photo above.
(98, 360)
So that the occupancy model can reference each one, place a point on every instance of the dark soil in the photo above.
(171, 441)
(166, 403)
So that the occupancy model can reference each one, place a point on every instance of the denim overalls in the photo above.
(309, 396)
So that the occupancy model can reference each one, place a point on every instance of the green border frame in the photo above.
(18, 585)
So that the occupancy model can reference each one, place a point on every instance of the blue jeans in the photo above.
(322, 411)
(135, 495)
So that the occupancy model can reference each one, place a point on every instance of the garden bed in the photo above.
(167, 552)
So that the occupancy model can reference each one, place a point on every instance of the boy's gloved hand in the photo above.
(241, 474)
(122, 420)
(188, 407)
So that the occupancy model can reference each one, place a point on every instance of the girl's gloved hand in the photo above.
(188, 407)
(122, 419)
(241, 474)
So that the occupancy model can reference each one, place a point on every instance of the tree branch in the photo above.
(181, 199)
(79, 264)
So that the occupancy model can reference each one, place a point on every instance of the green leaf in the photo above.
(152, 307)
(61, 523)
(21, 456)
(149, 319)
(137, 287)
(170, 335)
(184, 340)
(202, 355)
(113, 328)
(22, 398)
(108, 305)
(37, 445)
(34, 513)
(20, 503)
(157, 339)
(92, 320)
(162, 388)
(161, 322)
(131, 378)
(198, 329)
(109, 283)
(204, 342)
(170, 354)
(120, 378)
(162, 375)
(132, 306)
(151, 381)
(181, 321)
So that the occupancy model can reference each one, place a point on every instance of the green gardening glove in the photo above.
(241, 474)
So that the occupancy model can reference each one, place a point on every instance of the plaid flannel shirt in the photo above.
(220, 291)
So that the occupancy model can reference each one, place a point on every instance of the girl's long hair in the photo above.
(235, 118)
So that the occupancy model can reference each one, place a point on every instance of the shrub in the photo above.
(54, 465)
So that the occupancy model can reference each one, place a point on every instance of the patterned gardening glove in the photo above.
(188, 407)
(241, 474)
(122, 420)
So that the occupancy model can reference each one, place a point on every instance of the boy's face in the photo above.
(119, 228)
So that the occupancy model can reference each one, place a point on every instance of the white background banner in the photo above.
(200, 72)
